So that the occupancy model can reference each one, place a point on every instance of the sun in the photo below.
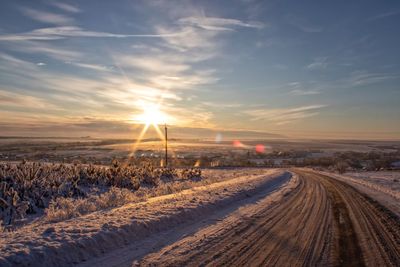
(151, 115)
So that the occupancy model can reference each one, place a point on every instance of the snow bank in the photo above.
(378, 185)
(76, 240)
(386, 179)
(374, 180)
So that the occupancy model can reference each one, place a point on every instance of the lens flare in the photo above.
(260, 148)
(218, 138)
(237, 143)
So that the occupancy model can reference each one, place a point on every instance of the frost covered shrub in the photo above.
(193, 173)
(113, 198)
(62, 209)
(66, 208)
(11, 207)
(26, 188)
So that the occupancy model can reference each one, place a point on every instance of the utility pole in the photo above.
(166, 146)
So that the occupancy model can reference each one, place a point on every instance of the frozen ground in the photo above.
(80, 239)
(263, 217)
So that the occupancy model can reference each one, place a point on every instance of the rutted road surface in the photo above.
(321, 222)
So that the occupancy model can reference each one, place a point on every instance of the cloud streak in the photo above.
(282, 116)
(46, 17)
(360, 78)
(384, 15)
(49, 50)
(65, 7)
(10, 99)
(62, 32)
(319, 63)
(300, 92)
(218, 24)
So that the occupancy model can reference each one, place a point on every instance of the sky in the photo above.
(300, 69)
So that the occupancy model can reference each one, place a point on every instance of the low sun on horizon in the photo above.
(152, 115)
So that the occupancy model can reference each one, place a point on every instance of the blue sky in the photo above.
(319, 69)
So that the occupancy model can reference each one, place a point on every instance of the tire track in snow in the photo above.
(322, 222)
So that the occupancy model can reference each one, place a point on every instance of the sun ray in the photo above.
(139, 139)
(160, 134)
(153, 116)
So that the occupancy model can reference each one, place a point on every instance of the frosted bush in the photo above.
(61, 189)
(66, 208)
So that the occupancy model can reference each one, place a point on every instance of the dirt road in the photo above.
(322, 222)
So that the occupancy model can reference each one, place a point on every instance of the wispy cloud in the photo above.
(14, 62)
(384, 15)
(62, 32)
(221, 105)
(166, 66)
(47, 49)
(121, 97)
(95, 67)
(299, 92)
(318, 64)
(167, 70)
(140, 74)
(65, 7)
(218, 24)
(198, 117)
(47, 17)
(282, 116)
(155, 64)
(12, 99)
(184, 81)
(358, 78)
(201, 32)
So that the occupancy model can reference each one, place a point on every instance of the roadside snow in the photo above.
(389, 180)
(382, 186)
(79, 239)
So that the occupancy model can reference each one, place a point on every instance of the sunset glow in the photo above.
(151, 115)
(278, 70)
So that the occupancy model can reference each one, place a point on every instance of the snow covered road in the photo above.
(323, 222)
